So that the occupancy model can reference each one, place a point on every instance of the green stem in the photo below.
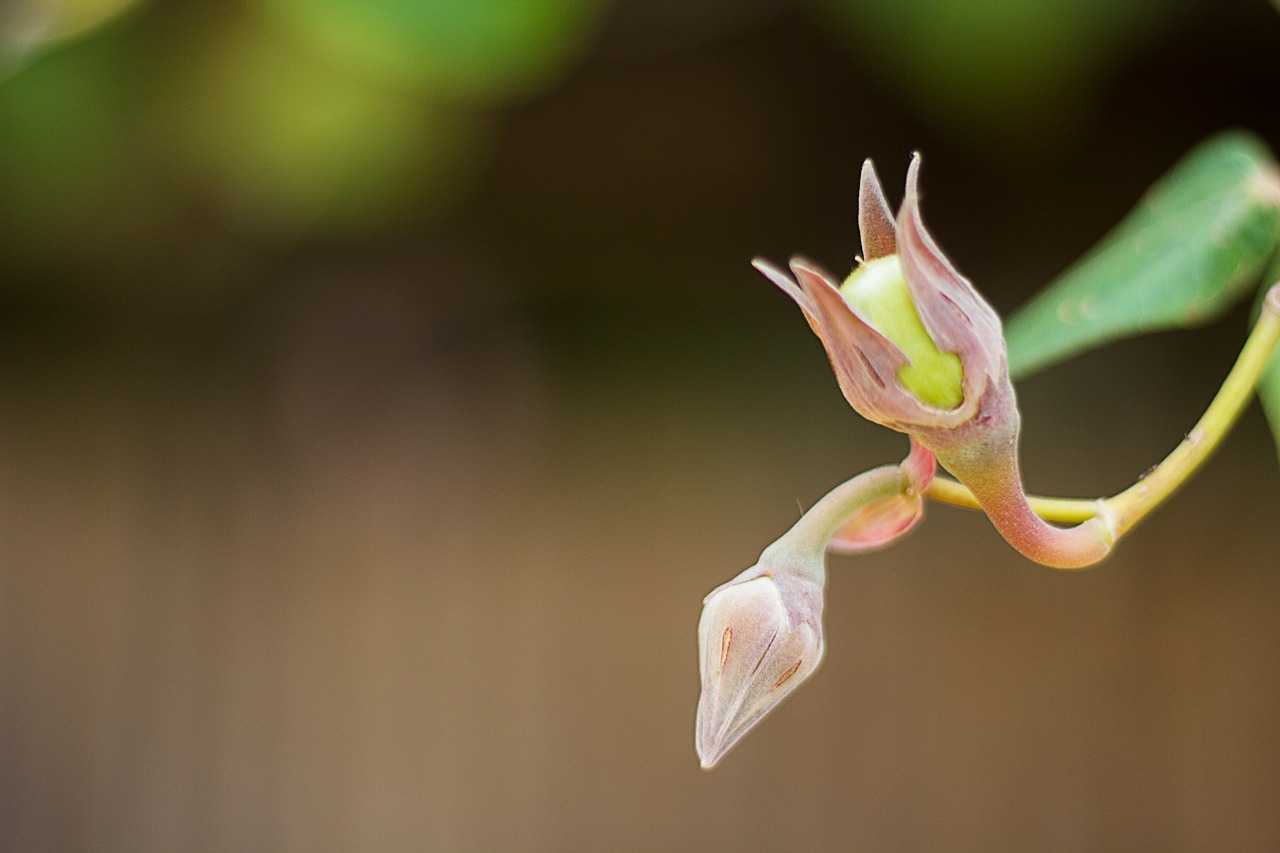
(1137, 501)
(1059, 510)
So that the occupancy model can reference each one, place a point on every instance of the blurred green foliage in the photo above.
(74, 170)
(27, 26)
(975, 67)
(279, 117)
(468, 50)
(288, 141)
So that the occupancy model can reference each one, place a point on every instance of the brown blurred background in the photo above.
(382, 385)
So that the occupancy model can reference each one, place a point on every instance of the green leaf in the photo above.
(1192, 247)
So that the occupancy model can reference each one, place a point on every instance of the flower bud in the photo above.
(894, 334)
(760, 636)
(913, 345)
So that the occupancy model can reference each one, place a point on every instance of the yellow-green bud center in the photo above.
(877, 290)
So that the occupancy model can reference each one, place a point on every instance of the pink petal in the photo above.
(956, 317)
(919, 466)
(866, 363)
(878, 524)
(875, 218)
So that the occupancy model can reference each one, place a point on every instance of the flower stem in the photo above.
(993, 478)
(1059, 510)
(1133, 504)
(809, 536)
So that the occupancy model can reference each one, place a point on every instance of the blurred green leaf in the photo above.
(1192, 247)
(28, 26)
(1003, 68)
(287, 142)
(76, 184)
(465, 50)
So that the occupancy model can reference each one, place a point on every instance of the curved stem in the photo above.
(1133, 504)
(810, 534)
(996, 484)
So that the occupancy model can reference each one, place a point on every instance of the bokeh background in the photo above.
(383, 384)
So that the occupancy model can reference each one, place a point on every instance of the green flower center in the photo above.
(877, 290)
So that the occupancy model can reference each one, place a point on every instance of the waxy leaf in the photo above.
(1193, 247)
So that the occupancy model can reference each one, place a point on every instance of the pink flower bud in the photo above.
(868, 364)
(760, 636)
(868, 337)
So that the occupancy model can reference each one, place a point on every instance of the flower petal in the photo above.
(865, 362)
(882, 522)
(789, 287)
(956, 317)
(875, 217)
(878, 524)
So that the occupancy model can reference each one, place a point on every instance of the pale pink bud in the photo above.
(760, 636)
